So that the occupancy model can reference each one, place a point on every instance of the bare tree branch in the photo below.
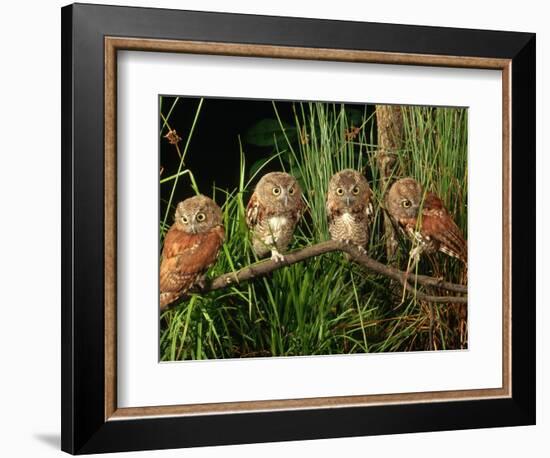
(409, 281)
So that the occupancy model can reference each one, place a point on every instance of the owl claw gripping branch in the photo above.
(272, 213)
(425, 220)
(349, 208)
(193, 242)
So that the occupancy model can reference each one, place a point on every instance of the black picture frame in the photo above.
(84, 426)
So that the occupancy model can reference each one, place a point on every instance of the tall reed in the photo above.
(325, 305)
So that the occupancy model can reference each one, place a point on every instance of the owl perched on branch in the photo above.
(191, 246)
(423, 217)
(349, 207)
(272, 213)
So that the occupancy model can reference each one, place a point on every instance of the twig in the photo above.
(263, 268)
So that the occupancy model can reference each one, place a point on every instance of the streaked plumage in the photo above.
(349, 207)
(191, 246)
(424, 219)
(272, 213)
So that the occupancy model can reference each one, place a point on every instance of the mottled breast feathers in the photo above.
(272, 213)
(191, 246)
(349, 207)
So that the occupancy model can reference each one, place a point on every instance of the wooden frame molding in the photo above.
(91, 36)
(114, 44)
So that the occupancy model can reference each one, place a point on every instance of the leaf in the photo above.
(267, 132)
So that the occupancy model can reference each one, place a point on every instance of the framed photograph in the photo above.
(285, 228)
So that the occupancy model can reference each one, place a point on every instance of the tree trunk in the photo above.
(389, 119)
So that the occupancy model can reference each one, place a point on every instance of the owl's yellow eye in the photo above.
(355, 190)
(339, 191)
(276, 191)
(406, 203)
(200, 217)
(291, 191)
(184, 219)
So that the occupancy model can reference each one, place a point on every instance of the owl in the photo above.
(423, 217)
(272, 213)
(349, 207)
(191, 246)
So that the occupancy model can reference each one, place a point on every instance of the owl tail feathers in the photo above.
(464, 274)
(453, 253)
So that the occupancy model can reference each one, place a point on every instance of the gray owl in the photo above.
(272, 213)
(349, 207)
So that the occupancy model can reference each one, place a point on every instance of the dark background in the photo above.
(213, 153)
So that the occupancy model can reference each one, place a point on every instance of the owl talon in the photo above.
(276, 256)
(272, 213)
(425, 220)
(349, 204)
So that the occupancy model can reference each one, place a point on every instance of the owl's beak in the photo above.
(193, 228)
(286, 199)
(347, 200)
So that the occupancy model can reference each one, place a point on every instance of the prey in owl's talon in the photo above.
(276, 256)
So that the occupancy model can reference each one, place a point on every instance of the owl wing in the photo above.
(440, 226)
(254, 211)
(332, 211)
(369, 209)
(185, 256)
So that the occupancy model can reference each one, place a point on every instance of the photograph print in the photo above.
(299, 228)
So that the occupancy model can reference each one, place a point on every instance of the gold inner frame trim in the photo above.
(114, 44)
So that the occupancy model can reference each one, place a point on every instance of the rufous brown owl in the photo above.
(272, 213)
(425, 220)
(191, 246)
(349, 207)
